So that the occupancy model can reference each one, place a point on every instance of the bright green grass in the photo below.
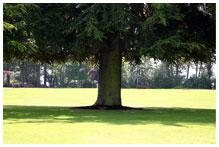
(205, 99)
(173, 116)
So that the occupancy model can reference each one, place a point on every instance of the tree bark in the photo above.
(177, 70)
(53, 82)
(168, 69)
(109, 86)
(196, 71)
(45, 74)
(8, 80)
(61, 77)
(38, 76)
(171, 70)
(209, 70)
(187, 75)
(23, 74)
(50, 79)
(200, 70)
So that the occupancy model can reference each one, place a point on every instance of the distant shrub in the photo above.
(178, 87)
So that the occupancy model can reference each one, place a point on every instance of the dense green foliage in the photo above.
(18, 40)
(188, 35)
(78, 32)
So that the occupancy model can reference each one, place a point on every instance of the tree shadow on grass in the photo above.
(165, 116)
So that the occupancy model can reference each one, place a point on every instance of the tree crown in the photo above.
(79, 32)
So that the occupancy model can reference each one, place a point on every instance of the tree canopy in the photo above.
(61, 32)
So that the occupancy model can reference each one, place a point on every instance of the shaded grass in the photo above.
(170, 116)
(156, 125)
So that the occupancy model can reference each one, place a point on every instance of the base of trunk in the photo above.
(101, 107)
(113, 102)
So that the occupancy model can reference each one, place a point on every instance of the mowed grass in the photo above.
(170, 116)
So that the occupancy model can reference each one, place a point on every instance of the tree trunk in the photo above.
(200, 70)
(61, 77)
(23, 74)
(54, 78)
(53, 82)
(209, 70)
(38, 76)
(187, 75)
(45, 74)
(8, 80)
(51, 79)
(168, 69)
(177, 70)
(196, 71)
(109, 86)
(171, 70)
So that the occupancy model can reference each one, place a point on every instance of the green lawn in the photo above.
(170, 116)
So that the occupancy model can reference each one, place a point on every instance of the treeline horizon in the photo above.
(149, 74)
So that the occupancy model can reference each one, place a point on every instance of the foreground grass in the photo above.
(194, 121)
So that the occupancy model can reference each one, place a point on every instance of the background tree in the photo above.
(138, 75)
(153, 75)
(45, 75)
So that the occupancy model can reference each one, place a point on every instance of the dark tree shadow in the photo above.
(165, 116)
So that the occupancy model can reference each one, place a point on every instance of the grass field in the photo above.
(170, 116)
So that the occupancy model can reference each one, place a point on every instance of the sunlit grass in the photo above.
(205, 99)
(170, 116)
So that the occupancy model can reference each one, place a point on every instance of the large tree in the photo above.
(106, 34)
